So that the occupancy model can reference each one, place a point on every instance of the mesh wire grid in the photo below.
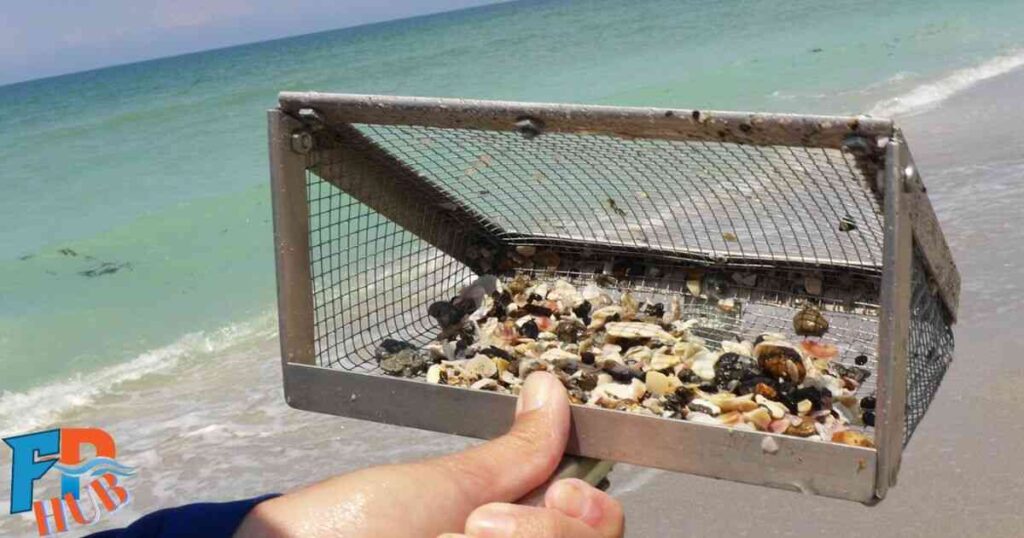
(707, 200)
(930, 349)
(771, 210)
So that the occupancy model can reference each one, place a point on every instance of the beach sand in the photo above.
(961, 473)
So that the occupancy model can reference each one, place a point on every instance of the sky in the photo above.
(41, 38)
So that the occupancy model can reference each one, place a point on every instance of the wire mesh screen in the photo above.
(704, 200)
(930, 350)
(371, 279)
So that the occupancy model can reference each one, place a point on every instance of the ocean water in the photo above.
(136, 262)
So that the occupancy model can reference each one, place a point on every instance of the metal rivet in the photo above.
(302, 142)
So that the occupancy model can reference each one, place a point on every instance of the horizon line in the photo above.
(6, 85)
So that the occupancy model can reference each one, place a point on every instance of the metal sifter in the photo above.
(796, 246)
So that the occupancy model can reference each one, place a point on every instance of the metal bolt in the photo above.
(302, 142)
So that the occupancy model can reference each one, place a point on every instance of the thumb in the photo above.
(512, 465)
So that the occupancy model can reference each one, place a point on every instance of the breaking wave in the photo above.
(41, 406)
(927, 96)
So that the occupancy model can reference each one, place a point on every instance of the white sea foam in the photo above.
(42, 405)
(928, 95)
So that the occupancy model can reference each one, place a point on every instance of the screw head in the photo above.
(302, 142)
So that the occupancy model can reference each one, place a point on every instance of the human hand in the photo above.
(470, 491)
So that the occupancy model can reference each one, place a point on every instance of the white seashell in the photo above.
(701, 405)
(674, 312)
(601, 315)
(693, 286)
(776, 409)
(769, 445)
(639, 354)
(485, 307)
(508, 378)
(540, 289)
(604, 378)
(804, 406)
(482, 366)
(727, 305)
(547, 336)
(436, 350)
(611, 392)
(434, 373)
(554, 354)
(744, 348)
(566, 293)
(636, 329)
(824, 381)
(485, 384)
(704, 365)
(449, 349)
(686, 350)
(661, 361)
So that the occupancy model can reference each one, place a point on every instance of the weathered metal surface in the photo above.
(894, 324)
(291, 240)
(827, 469)
(362, 169)
(928, 235)
(629, 122)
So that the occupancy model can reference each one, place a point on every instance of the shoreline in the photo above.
(948, 476)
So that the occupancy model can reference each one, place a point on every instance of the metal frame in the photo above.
(827, 469)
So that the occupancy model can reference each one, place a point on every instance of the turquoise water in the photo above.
(135, 206)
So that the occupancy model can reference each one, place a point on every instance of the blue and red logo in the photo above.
(35, 455)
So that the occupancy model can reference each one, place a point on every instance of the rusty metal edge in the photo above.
(629, 122)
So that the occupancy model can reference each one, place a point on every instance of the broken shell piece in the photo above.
(485, 384)
(405, 363)
(759, 417)
(661, 361)
(630, 306)
(704, 365)
(701, 418)
(769, 445)
(660, 384)
(727, 305)
(740, 348)
(855, 438)
(481, 366)
(675, 311)
(634, 391)
(435, 373)
(640, 330)
(727, 402)
(604, 315)
(804, 406)
(809, 321)
(700, 405)
(804, 428)
(776, 409)
(693, 285)
(819, 350)
(566, 293)
(508, 378)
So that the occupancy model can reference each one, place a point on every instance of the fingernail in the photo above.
(535, 394)
(491, 524)
(570, 499)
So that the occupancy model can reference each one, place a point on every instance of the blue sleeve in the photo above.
(200, 520)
